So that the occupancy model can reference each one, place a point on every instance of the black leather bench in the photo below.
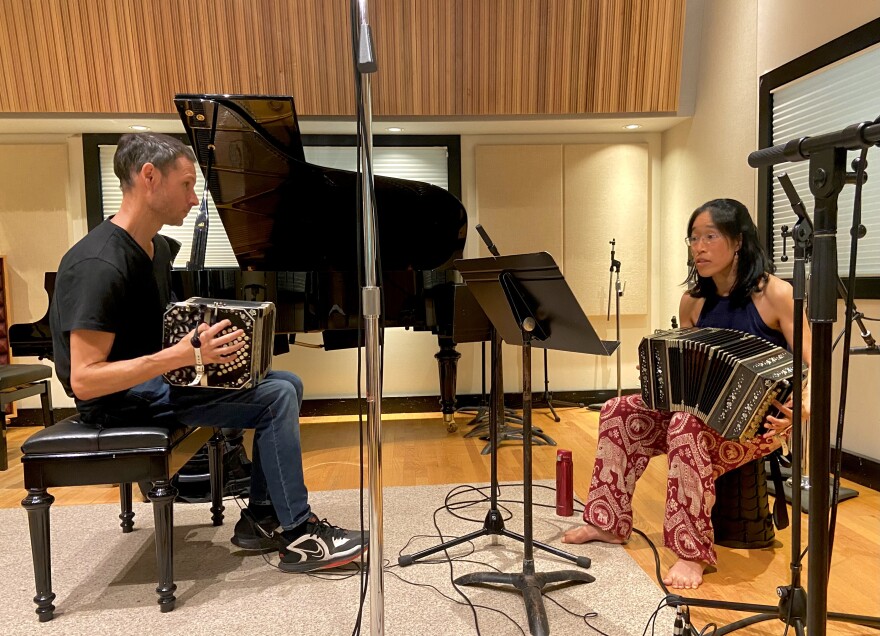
(72, 453)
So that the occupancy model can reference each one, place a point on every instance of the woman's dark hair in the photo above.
(753, 267)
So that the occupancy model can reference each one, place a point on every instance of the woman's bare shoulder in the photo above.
(777, 291)
(689, 309)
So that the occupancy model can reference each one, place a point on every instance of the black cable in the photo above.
(452, 503)
(584, 617)
(365, 571)
(847, 339)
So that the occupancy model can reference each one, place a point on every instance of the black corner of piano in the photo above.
(34, 339)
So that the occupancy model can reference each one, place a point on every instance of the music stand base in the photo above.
(529, 584)
(513, 433)
(493, 526)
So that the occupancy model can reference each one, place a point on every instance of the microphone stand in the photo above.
(365, 62)
(614, 272)
(802, 234)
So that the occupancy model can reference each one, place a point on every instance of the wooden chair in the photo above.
(18, 381)
(73, 453)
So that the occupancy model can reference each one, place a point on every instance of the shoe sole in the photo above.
(297, 568)
(254, 545)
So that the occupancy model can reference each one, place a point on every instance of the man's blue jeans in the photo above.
(271, 409)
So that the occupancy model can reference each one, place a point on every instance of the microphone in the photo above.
(865, 351)
(492, 249)
(860, 135)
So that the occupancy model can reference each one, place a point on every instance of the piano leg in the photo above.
(447, 361)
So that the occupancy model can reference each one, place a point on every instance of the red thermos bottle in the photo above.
(564, 484)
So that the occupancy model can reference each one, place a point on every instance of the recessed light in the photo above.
(632, 126)
(394, 129)
(139, 127)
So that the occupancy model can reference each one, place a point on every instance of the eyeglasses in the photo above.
(708, 239)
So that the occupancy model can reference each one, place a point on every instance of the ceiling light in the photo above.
(394, 129)
(632, 126)
(139, 127)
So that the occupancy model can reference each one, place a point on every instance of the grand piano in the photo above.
(294, 228)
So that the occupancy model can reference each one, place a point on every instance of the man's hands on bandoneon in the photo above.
(215, 348)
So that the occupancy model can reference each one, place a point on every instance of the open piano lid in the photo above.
(284, 214)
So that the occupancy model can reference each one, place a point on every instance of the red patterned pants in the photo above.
(629, 435)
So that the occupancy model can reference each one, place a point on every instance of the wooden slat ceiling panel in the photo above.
(436, 57)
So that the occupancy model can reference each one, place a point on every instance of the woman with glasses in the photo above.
(730, 285)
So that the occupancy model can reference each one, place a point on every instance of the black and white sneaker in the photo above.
(322, 546)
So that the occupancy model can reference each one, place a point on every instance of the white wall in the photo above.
(42, 213)
(789, 28)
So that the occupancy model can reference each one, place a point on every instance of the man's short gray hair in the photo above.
(136, 149)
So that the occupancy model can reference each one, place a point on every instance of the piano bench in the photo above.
(18, 381)
(74, 453)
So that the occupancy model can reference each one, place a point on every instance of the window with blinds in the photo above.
(840, 93)
(418, 163)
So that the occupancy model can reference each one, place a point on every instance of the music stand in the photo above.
(471, 324)
(530, 304)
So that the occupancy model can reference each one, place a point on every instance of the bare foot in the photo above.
(685, 575)
(586, 532)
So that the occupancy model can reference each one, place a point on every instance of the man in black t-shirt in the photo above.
(110, 294)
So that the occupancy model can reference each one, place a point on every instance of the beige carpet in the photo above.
(105, 580)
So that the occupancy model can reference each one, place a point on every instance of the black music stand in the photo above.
(471, 324)
(529, 302)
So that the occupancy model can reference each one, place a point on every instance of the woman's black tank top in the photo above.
(718, 312)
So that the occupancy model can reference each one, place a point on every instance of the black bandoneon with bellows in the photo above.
(727, 378)
(255, 319)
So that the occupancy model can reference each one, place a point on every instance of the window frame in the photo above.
(838, 49)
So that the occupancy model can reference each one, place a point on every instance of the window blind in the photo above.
(826, 101)
(428, 164)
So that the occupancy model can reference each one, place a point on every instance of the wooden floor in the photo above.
(418, 450)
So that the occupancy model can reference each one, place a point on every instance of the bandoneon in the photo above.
(255, 319)
(727, 378)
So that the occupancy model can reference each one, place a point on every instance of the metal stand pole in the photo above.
(530, 584)
(370, 298)
(614, 273)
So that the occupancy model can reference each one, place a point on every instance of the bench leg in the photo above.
(37, 505)
(215, 467)
(162, 495)
(4, 461)
(46, 403)
(127, 514)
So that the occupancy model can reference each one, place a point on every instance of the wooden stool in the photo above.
(73, 453)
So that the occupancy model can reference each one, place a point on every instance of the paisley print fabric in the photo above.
(630, 434)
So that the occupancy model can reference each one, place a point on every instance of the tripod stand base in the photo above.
(529, 584)
(845, 493)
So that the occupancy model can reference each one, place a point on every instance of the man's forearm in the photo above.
(103, 378)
